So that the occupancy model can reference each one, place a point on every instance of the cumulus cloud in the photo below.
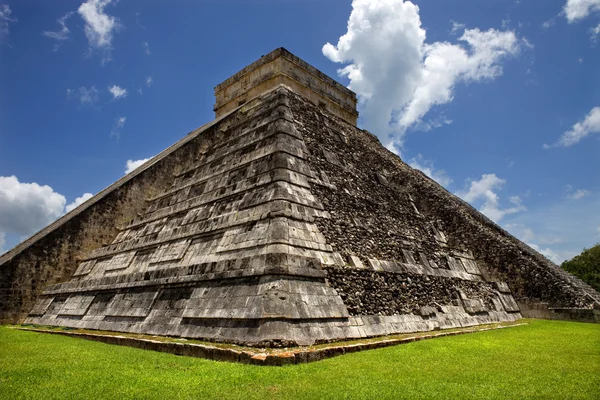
(27, 207)
(86, 96)
(575, 10)
(588, 126)
(483, 192)
(117, 92)
(116, 129)
(78, 201)
(397, 76)
(62, 34)
(5, 20)
(130, 165)
(426, 166)
(99, 26)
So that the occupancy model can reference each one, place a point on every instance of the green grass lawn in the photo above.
(544, 360)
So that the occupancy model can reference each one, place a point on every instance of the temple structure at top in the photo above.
(282, 67)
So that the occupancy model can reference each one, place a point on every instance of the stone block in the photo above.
(426, 311)
(502, 287)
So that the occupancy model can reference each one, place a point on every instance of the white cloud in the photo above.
(5, 19)
(78, 201)
(590, 125)
(27, 207)
(99, 26)
(456, 27)
(133, 164)
(527, 236)
(149, 81)
(62, 34)
(578, 194)
(86, 96)
(549, 23)
(483, 192)
(119, 124)
(559, 227)
(117, 92)
(391, 146)
(432, 123)
(146, 48)
(575, 10)
(595, 32)
(520, 231)
(426, 166)
(548, 253)
(446, 64)
(397, 76)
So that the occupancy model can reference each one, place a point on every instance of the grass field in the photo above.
(543, 360)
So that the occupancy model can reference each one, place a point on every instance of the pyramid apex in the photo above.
(281, 67)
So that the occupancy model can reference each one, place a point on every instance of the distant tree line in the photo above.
(586, 266)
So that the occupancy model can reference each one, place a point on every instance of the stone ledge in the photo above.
(188, 279)
(247, 355)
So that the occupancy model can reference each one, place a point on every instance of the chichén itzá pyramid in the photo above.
(279, 223)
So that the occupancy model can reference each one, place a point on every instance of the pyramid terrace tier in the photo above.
(277, 310)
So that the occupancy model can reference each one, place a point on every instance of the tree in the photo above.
(586, 266)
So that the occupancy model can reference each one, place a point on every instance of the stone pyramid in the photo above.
(279, 223)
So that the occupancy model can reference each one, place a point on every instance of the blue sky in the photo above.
(499, 101)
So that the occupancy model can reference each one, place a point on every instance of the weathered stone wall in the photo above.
(383, 293)
(53, 254)
(382, 209)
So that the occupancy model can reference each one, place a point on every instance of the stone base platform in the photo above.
(255, 356)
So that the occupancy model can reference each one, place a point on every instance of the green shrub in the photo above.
(586, 266)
